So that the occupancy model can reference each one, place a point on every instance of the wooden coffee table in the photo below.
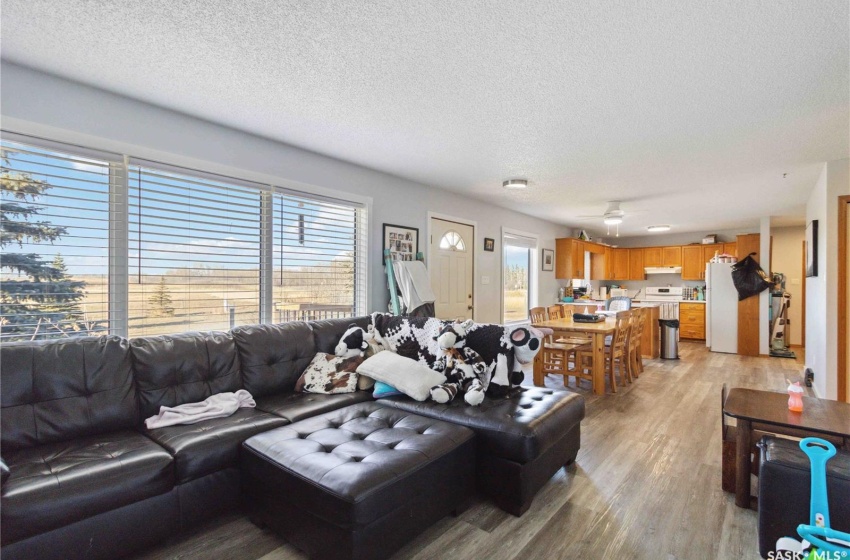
(770, 411)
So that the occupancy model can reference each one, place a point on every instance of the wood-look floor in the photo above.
(646, 483)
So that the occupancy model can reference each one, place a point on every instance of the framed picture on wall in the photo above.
(401, 241)
(812, 249)
(548, 260)
(489, 244)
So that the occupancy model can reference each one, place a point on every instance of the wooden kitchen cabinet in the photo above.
(692, 321)
(693, 265)
(619, 264)
(731, 249)
(653, 256)
(636, 265)
(708, 253)
(569, 258)
(671, 256)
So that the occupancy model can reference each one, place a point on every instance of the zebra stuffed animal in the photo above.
(463, 367)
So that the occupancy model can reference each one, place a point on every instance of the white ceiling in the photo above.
(687, 111)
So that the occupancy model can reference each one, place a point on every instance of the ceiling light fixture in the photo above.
(613, 220)
(515, 184)
(658, 228)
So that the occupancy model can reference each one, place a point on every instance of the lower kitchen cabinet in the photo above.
(692, 321)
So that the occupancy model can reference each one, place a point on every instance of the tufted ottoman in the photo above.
(358, 482)
(522, 440)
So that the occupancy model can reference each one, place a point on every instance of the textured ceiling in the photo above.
(688, 111)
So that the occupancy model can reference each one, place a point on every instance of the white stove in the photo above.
(669, 298)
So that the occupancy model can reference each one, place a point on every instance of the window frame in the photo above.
(119, 220)
(533, 274)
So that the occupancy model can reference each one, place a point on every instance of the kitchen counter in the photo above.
(589, 302)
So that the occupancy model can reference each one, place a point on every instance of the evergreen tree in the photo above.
(44, 293)
(161, 299)
(64, 303)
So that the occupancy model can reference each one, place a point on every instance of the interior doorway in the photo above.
(451, 265)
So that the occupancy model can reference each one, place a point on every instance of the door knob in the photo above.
(469, 307)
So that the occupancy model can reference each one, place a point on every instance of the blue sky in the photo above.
(185, 223)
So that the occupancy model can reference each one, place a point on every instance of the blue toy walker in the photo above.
(818, 533)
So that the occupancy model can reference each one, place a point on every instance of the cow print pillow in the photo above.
(329, 374)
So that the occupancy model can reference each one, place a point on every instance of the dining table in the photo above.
(596, 331)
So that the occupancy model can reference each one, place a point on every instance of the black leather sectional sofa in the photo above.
(85, 479)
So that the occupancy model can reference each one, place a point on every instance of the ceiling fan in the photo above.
(613, 216)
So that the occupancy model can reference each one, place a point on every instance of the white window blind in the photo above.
(194, 252)
(54, 223)
(318, 257)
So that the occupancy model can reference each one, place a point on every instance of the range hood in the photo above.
(663, 270)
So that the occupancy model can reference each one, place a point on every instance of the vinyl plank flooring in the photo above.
(645, 485)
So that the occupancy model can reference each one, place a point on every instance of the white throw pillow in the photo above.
(408, 376)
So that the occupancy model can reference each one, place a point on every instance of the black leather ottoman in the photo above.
(522, 440)
(785, 481)
(358, 482)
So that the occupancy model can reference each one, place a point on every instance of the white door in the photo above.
(451, 268)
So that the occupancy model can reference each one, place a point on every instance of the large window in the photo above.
(518, 276)
(138, 248)
(315, 249)
(54, 237)
(194, 253)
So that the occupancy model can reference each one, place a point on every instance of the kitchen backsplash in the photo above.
(652, 280)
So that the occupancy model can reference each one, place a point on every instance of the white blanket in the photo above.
(414, 283)
(217, 406)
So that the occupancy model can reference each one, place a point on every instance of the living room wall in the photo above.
(54, 108)
(822, 290)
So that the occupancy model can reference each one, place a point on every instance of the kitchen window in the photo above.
(113, 244)
(519, 275)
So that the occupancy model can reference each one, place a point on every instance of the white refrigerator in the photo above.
(721, 309)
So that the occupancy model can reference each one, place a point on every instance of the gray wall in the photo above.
(43, 105)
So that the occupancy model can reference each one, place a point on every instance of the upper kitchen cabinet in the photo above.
(636, 265)
(708, 253)
(620, 264)
(569, 258)
(671, 256)
(693, 262)
(731, 249)
(653, 256)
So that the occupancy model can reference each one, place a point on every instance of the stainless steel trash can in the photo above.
(669, 339)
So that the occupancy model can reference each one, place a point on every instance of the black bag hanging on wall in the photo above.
(749, 278)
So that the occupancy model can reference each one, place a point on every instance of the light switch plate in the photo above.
(485, 279)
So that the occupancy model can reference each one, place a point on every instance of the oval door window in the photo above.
(452, 241)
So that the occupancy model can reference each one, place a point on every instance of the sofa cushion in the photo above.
(183, 368)
(520, 427)
(60, 390)
(327, 332)
(212, 445)
(273, 356)
(297, 406)
(56, 484)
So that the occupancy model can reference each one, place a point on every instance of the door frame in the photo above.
(532, 286)
(843, 393)
(465, 222)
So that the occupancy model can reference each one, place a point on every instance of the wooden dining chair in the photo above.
(537, 314)
(557, 355)
(555, 311)
(635, 362)
(617, 354)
